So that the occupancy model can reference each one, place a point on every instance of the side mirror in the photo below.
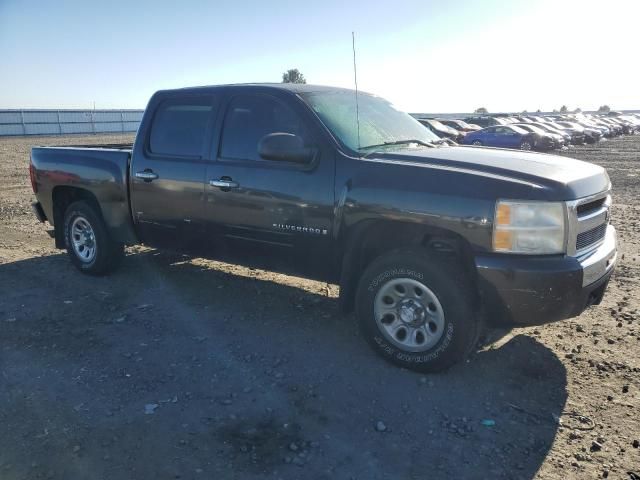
(284, 147)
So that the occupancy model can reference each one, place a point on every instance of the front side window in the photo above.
(249, 118)
(179, 127)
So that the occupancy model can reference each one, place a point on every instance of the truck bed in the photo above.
(103, 146)
(98, 171)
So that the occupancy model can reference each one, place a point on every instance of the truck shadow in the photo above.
(250, 373)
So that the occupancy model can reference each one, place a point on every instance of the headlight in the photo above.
(529, 227)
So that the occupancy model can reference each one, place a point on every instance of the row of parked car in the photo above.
(534, 132)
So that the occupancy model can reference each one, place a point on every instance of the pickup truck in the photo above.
(427, 241)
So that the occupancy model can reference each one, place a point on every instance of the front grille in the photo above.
(590, 237)
(588, 221)
(586, 208)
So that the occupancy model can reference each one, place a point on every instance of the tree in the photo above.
(481, 110)
(577, 110)
(564, 109)
(293, 75)
(604, 109)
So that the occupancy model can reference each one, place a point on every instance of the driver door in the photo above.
(275, 210)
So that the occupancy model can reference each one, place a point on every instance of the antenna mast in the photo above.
(355, 80)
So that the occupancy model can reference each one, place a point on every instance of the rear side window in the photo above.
(251, 117)
(179, 127)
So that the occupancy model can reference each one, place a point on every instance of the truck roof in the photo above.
(291, 87)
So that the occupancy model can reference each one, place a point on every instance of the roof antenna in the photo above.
(355, 80)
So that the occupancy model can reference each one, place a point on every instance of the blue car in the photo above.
(503, 136)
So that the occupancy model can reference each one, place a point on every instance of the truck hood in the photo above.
(550, 177)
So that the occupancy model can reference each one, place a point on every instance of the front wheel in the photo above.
(477, 143)
(417, 311)
(526, 145)
(88, 243)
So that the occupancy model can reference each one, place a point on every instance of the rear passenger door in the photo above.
(277, 211)
(168, 170)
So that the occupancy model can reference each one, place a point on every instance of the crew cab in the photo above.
(425, 240)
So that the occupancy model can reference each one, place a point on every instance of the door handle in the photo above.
(224, 183)
(147, 175)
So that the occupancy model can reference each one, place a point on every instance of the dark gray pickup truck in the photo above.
(425, 240)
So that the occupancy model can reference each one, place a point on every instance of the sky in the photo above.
(422, 55)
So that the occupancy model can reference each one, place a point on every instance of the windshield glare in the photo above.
(380, 121)
(519, 130)
(535, 129)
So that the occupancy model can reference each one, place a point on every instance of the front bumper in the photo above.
(545, 144)
(536, 290)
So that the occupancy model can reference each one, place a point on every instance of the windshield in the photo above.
(519, 130)
(380, 122)
(534, 129)
(439, 125)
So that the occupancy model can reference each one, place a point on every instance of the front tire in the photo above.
(88, 243)
(526, 145)
(477, 143)
(417, 311)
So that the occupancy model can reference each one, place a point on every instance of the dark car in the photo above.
(587, 123)
(504, 136)
(591, 135)
(546, 140)
(441, 130)
(425, 241)
(616, 128)
(628, 128)
(547, 127)
(460, 125)
(577, 134)
(607, 130)
(485, 121)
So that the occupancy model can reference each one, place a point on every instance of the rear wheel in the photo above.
(477, 143)
(88, 243)
(417, 311)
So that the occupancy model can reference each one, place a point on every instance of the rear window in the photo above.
(179, 127)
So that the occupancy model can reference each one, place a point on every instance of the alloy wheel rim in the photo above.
(409, 315)
(83, 240)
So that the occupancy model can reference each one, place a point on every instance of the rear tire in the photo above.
(526, 145)
(417, 311)
(477, 143)
(88, 242)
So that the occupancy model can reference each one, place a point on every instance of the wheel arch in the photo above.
(63, 196)
(372, 238)
(118, 221)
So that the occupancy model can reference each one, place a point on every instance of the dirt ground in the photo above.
(184, 368)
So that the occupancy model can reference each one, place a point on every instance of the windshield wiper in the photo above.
(399, 142)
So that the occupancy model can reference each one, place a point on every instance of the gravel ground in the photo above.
(180, 368)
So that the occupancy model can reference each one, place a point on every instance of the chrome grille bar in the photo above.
(586, 230)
